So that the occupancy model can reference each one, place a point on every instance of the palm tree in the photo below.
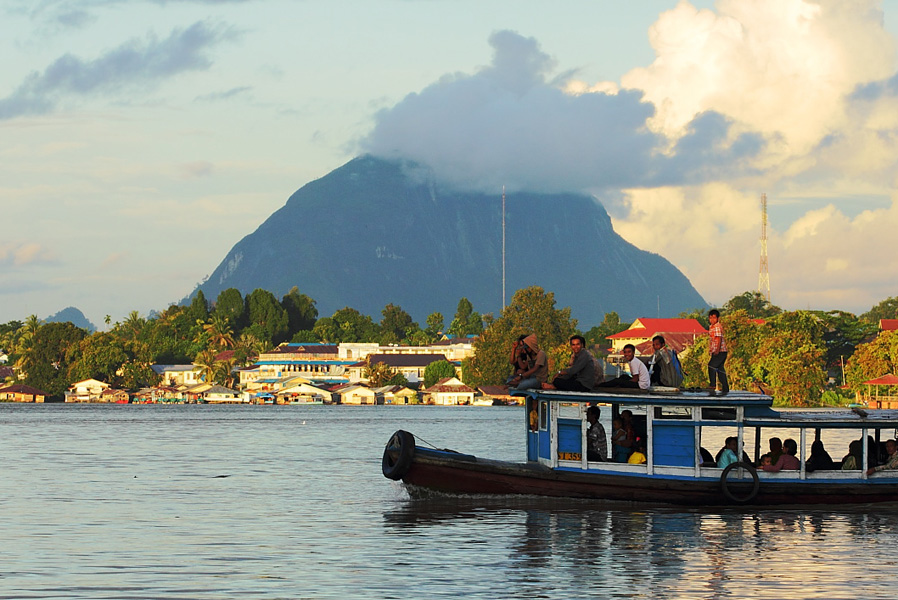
(205, 360)
(219, 330)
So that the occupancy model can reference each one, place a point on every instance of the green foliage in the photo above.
(380, 374)
(268, 319)
(873, 359)
(597, 336)
(437, 370)
(842, 333)
(199, 307)
(466, 321)
(304, 336)
(346, 325)
(532, 310)
(100, 356)
(887, 309)
(55, 346)
(301, 311)
(396, 325)
(232, 306)
(434, 325)
(755, 305)
(699, 314)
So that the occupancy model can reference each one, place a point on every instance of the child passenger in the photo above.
(619, 451)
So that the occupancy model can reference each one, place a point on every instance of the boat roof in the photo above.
(758, 411)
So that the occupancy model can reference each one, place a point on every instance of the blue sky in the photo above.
(141, 139)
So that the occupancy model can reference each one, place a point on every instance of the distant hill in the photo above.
(374, 232)
(73, 316)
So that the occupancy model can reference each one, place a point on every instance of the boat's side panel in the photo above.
(491, 477)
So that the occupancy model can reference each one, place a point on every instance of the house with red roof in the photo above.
(888, 324)
(22, 393)
(682, 332)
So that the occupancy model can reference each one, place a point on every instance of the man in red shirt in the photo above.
(718, 349)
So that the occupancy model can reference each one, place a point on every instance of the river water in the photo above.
(289, 502)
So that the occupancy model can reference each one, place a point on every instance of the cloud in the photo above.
(195, 169)
(225, 95)
(20, 254)
(135, 64)
(783, 68)
(512, 124)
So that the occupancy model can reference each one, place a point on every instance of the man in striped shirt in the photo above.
(718, 349)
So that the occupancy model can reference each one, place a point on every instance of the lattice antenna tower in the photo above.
(764, 273)
(503, 247)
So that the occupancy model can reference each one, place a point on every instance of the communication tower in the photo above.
(764, 274)
(503, 247)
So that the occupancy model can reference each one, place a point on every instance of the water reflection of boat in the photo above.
(672, 426)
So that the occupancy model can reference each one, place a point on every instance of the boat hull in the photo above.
(445, 472)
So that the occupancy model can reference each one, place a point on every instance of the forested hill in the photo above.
(374, 232)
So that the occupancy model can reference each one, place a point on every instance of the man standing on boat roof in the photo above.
(538, 371)
(580, 375)
(718, 349)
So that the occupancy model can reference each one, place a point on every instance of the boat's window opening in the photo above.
(835, 442)
(718, 413)
(543, 416)
(673, 412)
(569, 410)
(713, 439)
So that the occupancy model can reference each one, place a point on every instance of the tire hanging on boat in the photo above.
(398, 455)
(725, 486)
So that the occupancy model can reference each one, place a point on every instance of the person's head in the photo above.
(766, 460)
(658, 342)
(531, 344)
(817, 447)
(629, 352)
(856, 447)
(790, 447)
(713, 316)
(891, 447)
(593, 413)
(617, 423)
(776, 444)
(578, 342)
(731, 443)
(626, 415)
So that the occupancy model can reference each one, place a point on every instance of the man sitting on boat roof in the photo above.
(537, 367)
(639, 373)
(580, 375)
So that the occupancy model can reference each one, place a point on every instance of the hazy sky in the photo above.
(141, 139)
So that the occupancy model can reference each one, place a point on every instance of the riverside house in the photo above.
(21, 393)
(449, 391)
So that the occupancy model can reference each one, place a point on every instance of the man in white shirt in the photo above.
(639, 373)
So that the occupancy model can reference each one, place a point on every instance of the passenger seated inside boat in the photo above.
(638, 456)
(853, 460)
(819, 460)
(727, 454)
(776, 449)
(707, 459)
(787, 460)
(891, 461)
(620, 446)
(597, 448)
(765, 460)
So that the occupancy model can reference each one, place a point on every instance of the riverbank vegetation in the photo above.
(801, 357)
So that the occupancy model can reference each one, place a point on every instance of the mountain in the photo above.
(374, 232)
(74, 316)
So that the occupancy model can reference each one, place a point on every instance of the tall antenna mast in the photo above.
(503, 247)
(764, 274)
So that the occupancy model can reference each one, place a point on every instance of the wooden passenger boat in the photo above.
(673, 426)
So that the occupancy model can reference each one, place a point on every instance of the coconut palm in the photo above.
(205, 360)
(219, 331)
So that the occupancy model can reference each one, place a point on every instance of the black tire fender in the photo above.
(398, 454)
(725, 484)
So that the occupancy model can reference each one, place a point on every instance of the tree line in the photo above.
(789, 353)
